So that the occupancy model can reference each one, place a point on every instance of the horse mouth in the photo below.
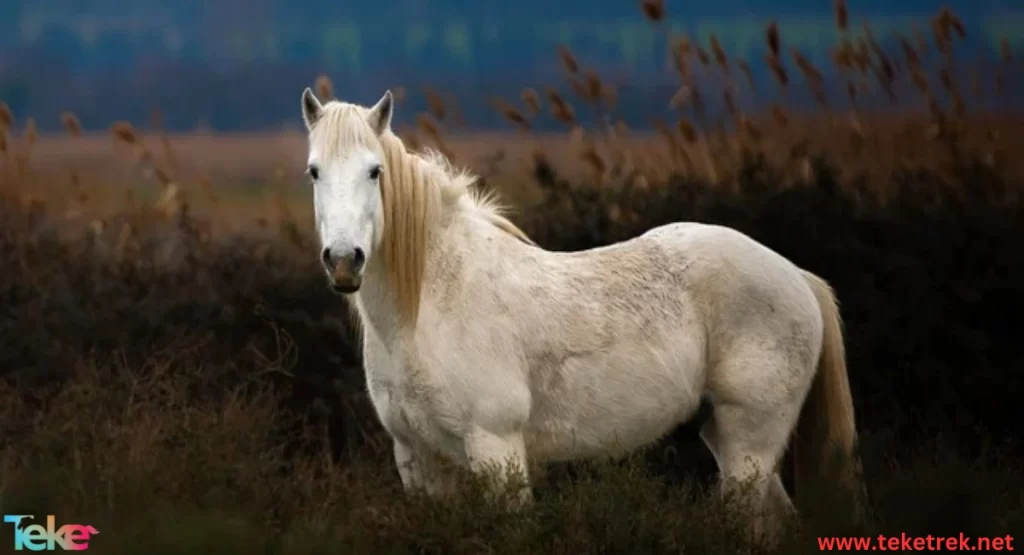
(344, 282)
(345, 288)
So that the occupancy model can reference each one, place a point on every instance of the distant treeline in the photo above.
(237, 65)
(355, 45)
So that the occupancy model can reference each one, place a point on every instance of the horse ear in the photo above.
(380, 114)
(311, 108)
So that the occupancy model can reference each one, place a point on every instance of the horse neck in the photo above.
(454, 236)
(376, 301)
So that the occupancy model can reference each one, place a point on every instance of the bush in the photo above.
(214, 400)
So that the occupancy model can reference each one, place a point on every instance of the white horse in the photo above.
(482, 348)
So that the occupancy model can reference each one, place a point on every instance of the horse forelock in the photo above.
(341, 127)
(417, 190)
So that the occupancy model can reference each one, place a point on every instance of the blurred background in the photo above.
(238, 65)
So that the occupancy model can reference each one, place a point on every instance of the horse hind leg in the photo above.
(750, 425)
(747, 463)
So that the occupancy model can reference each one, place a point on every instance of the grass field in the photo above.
(174, 371)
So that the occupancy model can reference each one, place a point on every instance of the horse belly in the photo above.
(613, 404)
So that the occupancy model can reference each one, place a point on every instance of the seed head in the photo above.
(772, 37)
(684, 46)
(324, 87)
(124, 132)
(806, 67)
(560, 109)
(532, 101)
(777, 70)
(579, 87)
(6, 117)
(946, 79)
(719, 52)
(842, 15)
(697, 101)
(730, 104)
(687, 131)
(941, 34)
(591, 156)
(513, 115)
(568, 60)
(745, 68)
(913, 60)
(887, 73)
(953, 21)
(162, 176)
(510, 113)
(843, 56)
(779, 115)
(679, 98)
(654, 10)
(71, 123)
(435, 103)
(593, 87)
(679, 55)
(702, 55)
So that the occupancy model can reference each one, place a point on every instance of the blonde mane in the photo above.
(417, 189)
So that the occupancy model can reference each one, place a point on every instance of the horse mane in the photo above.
(417, 190)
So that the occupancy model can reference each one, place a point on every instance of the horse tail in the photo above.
(826, 434)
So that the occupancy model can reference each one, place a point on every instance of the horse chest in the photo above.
(409, 413)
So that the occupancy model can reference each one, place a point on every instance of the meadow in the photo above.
(175, 372)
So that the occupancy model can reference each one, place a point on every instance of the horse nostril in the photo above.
(358, 258)
(325, 257)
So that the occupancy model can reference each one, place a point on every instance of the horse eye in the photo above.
(314, 172)
(375, 172)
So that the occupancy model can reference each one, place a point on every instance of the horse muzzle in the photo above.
(344, 282)
(344, 268)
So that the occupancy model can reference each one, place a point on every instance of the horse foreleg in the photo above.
(502, 458)
(419, 471)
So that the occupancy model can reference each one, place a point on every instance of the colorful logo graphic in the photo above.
(36, 537)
